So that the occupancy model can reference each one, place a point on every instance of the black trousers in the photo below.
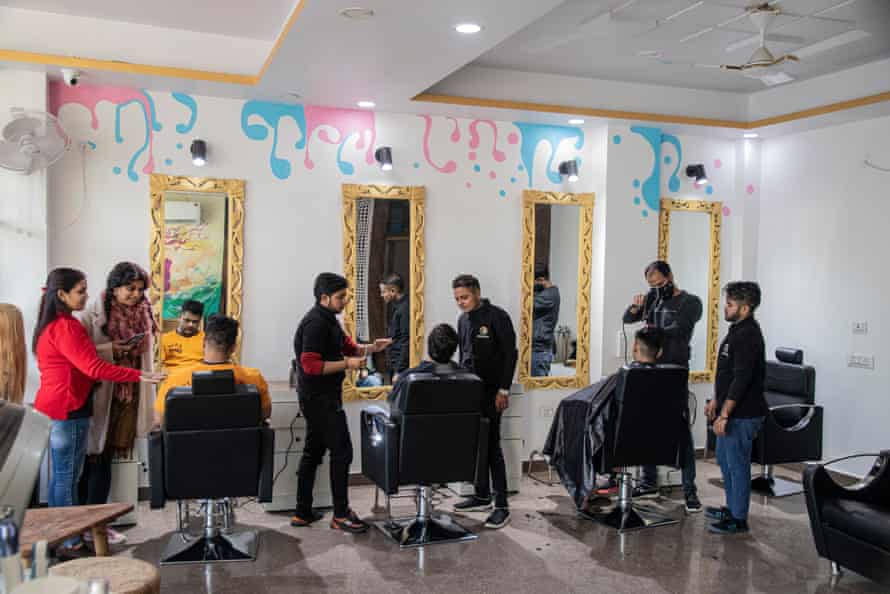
(496, 465)
(326, 430)
(94, 485)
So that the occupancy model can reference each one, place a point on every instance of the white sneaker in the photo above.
(114, 537)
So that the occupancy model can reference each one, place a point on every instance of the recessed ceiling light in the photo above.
(366, 104)
(576, 121)
(356, 12)
(468, 28)
(751, 135)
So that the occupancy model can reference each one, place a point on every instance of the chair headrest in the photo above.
(186, 411)
(213, 381)
(429, 393)
(789, 355)
(648, 378)
(790, 379)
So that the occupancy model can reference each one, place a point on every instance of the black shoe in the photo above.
(78, 551)
(717, 513)
(473, 504)
(645, 491)
(693, 505)
(499, 518)
(351, 523)
(729, 525)
(300, 519)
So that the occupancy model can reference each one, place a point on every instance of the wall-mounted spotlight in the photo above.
(698, 172)
(199, 152)
(570, 169)
(383, 155)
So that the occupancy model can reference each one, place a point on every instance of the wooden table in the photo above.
(57, 524)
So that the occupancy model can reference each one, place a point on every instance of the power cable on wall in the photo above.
(83, 186)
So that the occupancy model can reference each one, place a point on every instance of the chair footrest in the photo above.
(415, 532)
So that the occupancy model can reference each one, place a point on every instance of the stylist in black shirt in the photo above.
(738, 407)
(488, 349)
(323, 354)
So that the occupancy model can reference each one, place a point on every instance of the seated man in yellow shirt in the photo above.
(221, 334)
(184, 346)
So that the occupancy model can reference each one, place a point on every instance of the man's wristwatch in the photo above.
(503, 392)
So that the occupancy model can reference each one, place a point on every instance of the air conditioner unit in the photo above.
(182, 212)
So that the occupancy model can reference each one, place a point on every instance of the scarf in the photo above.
(124, 322)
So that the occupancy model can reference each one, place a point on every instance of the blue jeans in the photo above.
(687, 450)
(68, 447)
(541, 361)
(734, 458)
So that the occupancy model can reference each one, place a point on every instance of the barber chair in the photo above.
(851, 525)
(434, 433)
(792, 431)
(213, 446)
(646, 426)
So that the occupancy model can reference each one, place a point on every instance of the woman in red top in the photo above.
(69, 366)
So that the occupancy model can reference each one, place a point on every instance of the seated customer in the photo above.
(579, 426)
(441, 345)
(185, 345)
(220, 336)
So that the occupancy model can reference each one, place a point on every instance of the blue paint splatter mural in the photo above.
(533, 134)
(192, 105)
(651, 187)
(271, 113)
(616, 139)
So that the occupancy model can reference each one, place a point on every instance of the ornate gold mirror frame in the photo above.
(416, 195)
(712, 306)
(584, 202)
(233, 189)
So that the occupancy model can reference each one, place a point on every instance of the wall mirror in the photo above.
(383, 241)
(554, 337)
(689, 240)
(197, 247)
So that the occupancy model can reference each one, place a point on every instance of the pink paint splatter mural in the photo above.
(449, 166)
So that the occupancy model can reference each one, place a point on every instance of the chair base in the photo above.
(238, 546)
(628, 519)
(773, 486)
(418, 532)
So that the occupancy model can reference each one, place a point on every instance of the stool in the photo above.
(124, 575)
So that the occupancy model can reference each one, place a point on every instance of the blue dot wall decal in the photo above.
(667, 160)
(636, 183)
(636, 199)
(645, 213)
(179, 145)
(477, 168)
(91, 144)
(616, 139)
(416, 165)
(710, 190)
(116, 170)
(521, 168)
(512, 180)
(168, 161)
(502, 193)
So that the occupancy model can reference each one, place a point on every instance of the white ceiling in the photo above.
(262, 21)
(603, 39)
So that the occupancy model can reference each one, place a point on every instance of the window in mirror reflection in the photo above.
(554, 309)
(194, 253)
(382, 308)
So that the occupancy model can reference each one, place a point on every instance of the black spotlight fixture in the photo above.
(199, 152)
(570, 169)
(698, 172)
(383, 155)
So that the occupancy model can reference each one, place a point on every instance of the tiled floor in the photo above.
(546, 549)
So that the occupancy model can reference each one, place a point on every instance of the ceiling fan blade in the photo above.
(732, 67)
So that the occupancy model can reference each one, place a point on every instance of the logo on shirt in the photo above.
(175, 348)
(483, 330)
(724, 352)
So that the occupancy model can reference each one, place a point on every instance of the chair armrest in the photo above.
(156, 469)
(267, 466)
(872, 489)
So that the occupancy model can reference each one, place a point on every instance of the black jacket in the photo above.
(545, 318)
(741, 370)
(488, 345)
(677, 316)
(320, 332)
(399, 330)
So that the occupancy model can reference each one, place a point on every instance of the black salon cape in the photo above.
(576, 435)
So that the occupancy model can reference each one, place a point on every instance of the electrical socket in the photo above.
(861, 361)
(546, 411)
(860, 327)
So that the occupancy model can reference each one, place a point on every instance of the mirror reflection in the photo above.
(689, 253)
(382, 307)
(554, 310)
(194, 251)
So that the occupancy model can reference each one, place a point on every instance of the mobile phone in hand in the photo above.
(135, 339)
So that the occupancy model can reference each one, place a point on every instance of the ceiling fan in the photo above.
(762, 62)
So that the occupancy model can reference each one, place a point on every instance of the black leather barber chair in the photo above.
(213, 446)
(434, 433)
(851, 525)
(792, 431)
(646, 426)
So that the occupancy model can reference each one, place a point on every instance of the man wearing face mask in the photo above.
(545, 317)
(675, 312)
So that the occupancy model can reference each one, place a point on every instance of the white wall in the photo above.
(564, 262)
(823, 246)
(23, 216)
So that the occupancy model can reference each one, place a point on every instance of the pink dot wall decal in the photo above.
(513, 138)
(749, 188)
(472, 156)
(718, 163)
(726, 211)
(469, 185)
(492, 174)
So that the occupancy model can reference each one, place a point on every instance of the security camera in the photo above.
(71, 76)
